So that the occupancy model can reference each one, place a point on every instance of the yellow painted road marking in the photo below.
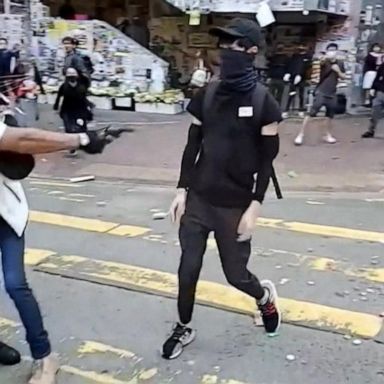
(94, 376)
(118, 229)
(87, 224)
(36, 256)
(93, 347)
(109, 379)
(325, 264)
(322, 230)
(211, 294)
(8, 323)
(128, 230)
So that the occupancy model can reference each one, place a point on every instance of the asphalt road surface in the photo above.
(104, 273)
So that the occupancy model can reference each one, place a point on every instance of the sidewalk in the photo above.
(153, 152)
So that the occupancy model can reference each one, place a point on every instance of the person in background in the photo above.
(277, 65)
(67, 11)
(19, 142)
(371, 65)
(7, 64)
(296, 75)
(26, 97)
(74, 107)
(73, 59)
(332, 70)
(138, 31)
(377, 92)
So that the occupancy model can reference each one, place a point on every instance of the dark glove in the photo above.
(96, 143)
(16, 166)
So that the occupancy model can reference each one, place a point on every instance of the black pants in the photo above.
(300, 90)
(74, 122)
(199, 220)
(377, 109)
(276, 87)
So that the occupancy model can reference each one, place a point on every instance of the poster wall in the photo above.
(116, 58)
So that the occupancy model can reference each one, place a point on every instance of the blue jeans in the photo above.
(12, 252)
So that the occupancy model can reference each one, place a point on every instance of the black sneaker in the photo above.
(367, 135)
(269, 310)
(8, 355)
(180, 338)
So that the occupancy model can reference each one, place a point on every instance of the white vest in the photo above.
(13, 203)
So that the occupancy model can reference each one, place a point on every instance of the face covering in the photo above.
(72, 80)
(237, 72)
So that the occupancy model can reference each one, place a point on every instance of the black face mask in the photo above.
(237, 71)
(72, 79)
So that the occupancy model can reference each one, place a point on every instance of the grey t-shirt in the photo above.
(329, 78)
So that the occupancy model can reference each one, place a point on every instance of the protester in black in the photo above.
(227, 145)
(6, 60)
(296, 75)
(332, 70)
(371, 64)
(378, 102)
(74, 108)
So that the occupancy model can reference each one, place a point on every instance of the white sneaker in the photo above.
(330, 139)
(299, 139)
(285, 115)
(301, 115)
(44, 371)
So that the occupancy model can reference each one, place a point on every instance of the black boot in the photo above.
(8, 355)
(370, 133)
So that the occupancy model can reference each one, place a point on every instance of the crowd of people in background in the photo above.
(288, 79)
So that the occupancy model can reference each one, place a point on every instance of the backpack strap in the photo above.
(209, 95)
(258, 99)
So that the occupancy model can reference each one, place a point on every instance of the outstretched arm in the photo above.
(35, 141)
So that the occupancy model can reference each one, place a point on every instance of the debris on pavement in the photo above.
(313, 202)
(347, 337)
(284, 281)
(160, 215)
(357, 342)
(82, 179)
(290, 357)
(292, 174)
(310, 283)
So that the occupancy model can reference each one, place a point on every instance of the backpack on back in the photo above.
(88, 64)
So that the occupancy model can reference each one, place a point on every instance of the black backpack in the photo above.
(88, 64)
(258, 97)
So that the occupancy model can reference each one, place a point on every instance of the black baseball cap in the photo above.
(240, 28)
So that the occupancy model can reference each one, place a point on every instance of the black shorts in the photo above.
(329, 102)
